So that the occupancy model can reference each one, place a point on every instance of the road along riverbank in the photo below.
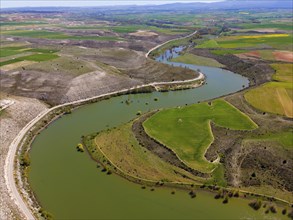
(13, 148)
(9, 166)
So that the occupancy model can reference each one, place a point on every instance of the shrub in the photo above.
(225, 201)
(236, 194)
(273, 209)
(80, 148)
(256, 204)
(24, 160)
(284, 211)
(217, 196)
(192, 194)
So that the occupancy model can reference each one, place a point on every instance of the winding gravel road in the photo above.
(9, 162)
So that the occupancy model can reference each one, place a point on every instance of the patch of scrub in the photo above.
(63, 64)
(187, 130)
(17, 65)
(120, 146)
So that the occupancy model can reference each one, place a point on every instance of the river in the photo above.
(70, 186)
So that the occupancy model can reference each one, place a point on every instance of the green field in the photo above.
(283, 72)
(125, 29)
(187, 130)
(10, 51)
(285, 139)
(279, 26)
(275, 97)
(15, 23)
(34, 57)
(197, 60)
(208, 44)
(26, 53)
(277, 41)
(57, 35)
(41, 50)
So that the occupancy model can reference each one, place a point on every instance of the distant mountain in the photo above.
(229, 4)
(225, 5)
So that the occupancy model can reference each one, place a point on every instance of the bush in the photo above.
(284, 211)
(217, 196)
(236, 194)
(192, 194)
(80, 148)
(45, 214)
(24, 160)
(273, 209)
(255, 205)
(225, 201)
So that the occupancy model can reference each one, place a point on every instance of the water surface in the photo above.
(70, 186)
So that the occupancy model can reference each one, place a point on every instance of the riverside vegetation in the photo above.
(233, 146)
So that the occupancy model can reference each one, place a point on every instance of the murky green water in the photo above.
(69, 185)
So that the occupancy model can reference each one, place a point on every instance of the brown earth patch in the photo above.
(249, 55)
(286, 56)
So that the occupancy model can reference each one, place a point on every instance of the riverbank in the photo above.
(135, 90)
(33, 126)
(113, 157)
(12, 120)
(9, 162)
(97, 117)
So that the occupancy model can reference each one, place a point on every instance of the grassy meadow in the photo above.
(187, 130)
(120, 146)
(271, 25)
(278, 41)
(54, 35)
(197, 60)
(285, 138)
(275, 97)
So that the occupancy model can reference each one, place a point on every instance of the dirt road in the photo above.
(9, 163)
(156, 47)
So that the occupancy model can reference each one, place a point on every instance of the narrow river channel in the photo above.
(70, 186)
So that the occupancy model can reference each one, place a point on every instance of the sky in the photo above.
(88, 3)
